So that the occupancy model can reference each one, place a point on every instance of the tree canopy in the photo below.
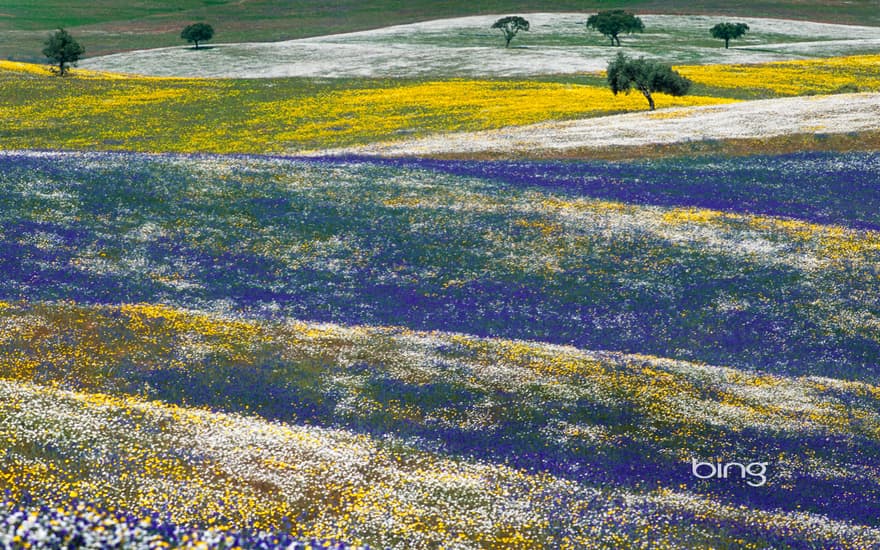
(728, 31)
(613, 22)
(645, 76)
(509, 26)
(197, 32)
(63, 50)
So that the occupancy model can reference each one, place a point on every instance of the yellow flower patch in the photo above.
(455, 105)
(815, 76)
(46, 70)
(277, 115)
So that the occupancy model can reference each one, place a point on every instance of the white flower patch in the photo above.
(752, 119)
(147, 232)
(829, 48)
(556, 43)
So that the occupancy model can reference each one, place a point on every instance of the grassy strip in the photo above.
(777, 145)
(155, 23)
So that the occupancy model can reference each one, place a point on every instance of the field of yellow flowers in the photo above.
(794, 78)
(102, 111)
(206, 342)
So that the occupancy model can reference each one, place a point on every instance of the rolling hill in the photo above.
(380, 290)
(157, 23)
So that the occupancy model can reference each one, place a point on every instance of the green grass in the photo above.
(29, 15)
(114, 26)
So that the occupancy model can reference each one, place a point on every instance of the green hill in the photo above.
(112, 26)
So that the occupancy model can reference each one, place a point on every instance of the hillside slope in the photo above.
(844, 113)
(155, 23)
(406, 439)
(702, 260)
(556, 43)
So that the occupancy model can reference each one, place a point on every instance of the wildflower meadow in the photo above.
(499, 309)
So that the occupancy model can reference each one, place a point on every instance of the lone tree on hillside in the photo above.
(645, 76)
(728, 32)
(63, 50)
(509, 26)
(197, 32)
(613, 22)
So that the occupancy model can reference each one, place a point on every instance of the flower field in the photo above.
(793, 78)
(412, 353)
(379, 290)
(102, 111)
(105, 112)
(466, 47)
(522, 251)
(541, 474)
(761, 121)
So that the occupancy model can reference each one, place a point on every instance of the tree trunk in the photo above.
(612, 39)
(507, 44)
(197, 44)
(61, 68)
(650, 99)
(726, 43)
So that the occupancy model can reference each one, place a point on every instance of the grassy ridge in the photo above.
(626, 425)
(407, 438)
(313, 18)
(386, 493)
(155, 23)
(101, 112)
(599, 256)
(276, 115)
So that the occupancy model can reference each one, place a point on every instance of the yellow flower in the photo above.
(861, 72)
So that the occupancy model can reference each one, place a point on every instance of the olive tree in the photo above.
(613, 22)
(645, 76)
(728, 32)
(197, 32)
(63, 50)
(509, 26)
